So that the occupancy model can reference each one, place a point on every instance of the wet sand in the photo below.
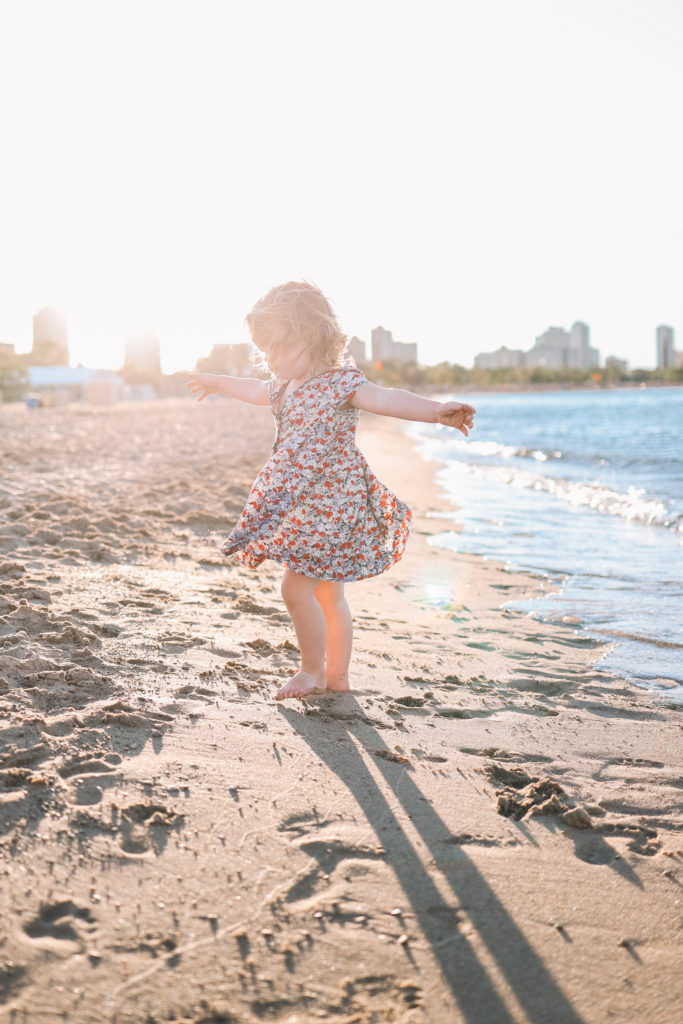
(487, 829)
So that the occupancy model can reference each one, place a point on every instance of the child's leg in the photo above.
(309, 624)
(330, 597)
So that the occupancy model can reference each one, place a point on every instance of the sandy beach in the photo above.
(487, 830)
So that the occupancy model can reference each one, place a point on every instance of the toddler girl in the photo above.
(316, 507)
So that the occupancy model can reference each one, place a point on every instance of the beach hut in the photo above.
(59, 385)
(104, 388)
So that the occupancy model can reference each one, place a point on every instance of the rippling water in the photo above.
(586, 487)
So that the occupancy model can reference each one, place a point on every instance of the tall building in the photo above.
(357, 349)
(580, 355)
(666, 358)
(382, 344)
(50, 338)
(143, 352)
(549, 349)
(384, 348)
(557, 348)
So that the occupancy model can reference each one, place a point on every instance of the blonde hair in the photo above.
(302, 313)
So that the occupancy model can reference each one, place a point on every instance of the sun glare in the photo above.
(443, 170)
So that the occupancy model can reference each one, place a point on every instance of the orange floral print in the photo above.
(316, 507)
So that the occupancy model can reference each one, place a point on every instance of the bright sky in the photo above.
(464, 173)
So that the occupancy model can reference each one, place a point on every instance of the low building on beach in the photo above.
(59, 385)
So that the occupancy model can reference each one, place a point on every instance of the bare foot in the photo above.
(303, 684)
(338, 684)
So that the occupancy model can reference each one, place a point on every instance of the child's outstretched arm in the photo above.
(404, 405)
(246, 389)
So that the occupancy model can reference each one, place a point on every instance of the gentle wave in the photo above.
(491, 449)
(633, 506)
(623, 635)
(505, 451)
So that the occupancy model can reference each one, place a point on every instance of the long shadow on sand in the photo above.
(474, 991)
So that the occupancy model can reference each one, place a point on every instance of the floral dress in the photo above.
(316, 507)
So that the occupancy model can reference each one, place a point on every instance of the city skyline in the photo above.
(464, 172)
(114, 351)
(145, 348)
(113, 348)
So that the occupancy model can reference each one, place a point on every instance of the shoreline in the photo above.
(495, 526)
(486, 828)
(554, 387)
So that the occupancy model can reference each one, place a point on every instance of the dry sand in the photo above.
(486, 830)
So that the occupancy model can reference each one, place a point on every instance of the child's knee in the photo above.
(330, 594)
(295, 588)
(287, 589)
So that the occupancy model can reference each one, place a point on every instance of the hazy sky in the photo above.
(464, 173)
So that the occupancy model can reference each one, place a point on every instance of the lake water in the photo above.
(586, 488)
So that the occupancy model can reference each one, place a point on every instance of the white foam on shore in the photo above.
(633, 505)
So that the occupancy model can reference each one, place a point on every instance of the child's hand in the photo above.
(203, 384)
(455, 414)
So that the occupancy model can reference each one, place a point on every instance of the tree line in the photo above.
(443, 377)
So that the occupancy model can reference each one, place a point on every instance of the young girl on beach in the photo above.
(316, 507)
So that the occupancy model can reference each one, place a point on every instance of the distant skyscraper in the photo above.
(550, 349)
(382, 344)
(385, 348)
(50, 338)
(666, 358)
(557, 348)
(357, 349)
(143, 352)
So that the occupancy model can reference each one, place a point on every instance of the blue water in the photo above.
(587, 489)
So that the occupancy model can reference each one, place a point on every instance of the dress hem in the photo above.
(322, 579)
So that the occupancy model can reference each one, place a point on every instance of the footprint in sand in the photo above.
(143, 827)
(391, 755)
(424, 755)
(63, 928)
(300, 823)
(409, 701)
(261, 647)
(467, 839)
(12, 978)
(497, 754)
(328, 855)
(592, 848)
(250, 607)
(173, 642)
(88, 766)
(199, 692)
(516, 778)
(461, 713)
